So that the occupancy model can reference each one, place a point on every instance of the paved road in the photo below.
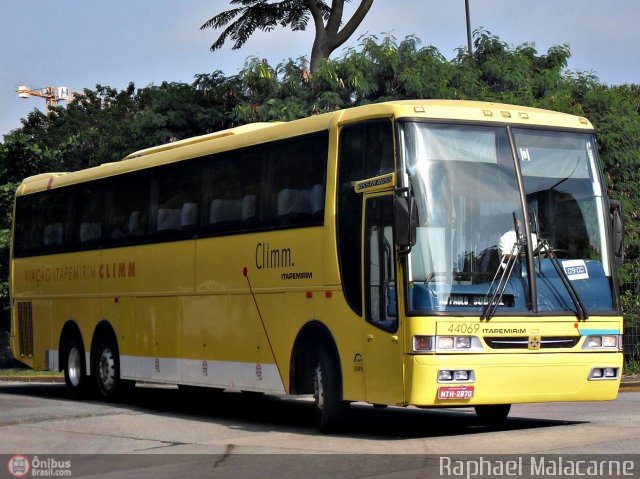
(40, 419)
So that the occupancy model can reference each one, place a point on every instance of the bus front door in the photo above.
(383, 354)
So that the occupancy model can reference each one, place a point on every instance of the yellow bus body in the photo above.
(225, 311)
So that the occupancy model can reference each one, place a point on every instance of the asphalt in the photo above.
(628, 383)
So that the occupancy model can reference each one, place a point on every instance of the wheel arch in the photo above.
(312, 338)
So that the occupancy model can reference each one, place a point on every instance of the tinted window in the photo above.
(43, 225)
(128, 215)
(175, 191)
(366, 150)
(88, 214)
(231, 192)
(273, 185)
(380, 273)
(25, 238)
(295, 183)
(270, 186)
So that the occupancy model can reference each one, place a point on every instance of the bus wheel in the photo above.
(74, 368)
(330, 409)
(107, 371)
(493, 415)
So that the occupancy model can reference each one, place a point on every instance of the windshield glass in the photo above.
(465, 184)
(566, 210)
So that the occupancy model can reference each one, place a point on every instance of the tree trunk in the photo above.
(319, 52)
(329, 37)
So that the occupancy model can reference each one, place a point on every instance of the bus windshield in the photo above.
(471, 220)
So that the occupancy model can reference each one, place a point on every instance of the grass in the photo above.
(632, 367)
(27, 372)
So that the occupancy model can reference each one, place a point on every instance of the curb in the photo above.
(630, 383)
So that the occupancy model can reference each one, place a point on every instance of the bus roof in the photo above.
(256, 133)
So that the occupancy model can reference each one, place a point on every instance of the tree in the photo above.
(261, 15)
(106, 124)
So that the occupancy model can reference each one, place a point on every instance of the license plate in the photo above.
(455, 392)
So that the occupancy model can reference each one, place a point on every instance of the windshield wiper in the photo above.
(581, 311)
(490, 306)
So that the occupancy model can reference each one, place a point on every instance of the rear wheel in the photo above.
(107, 372)
(493, 415)
(75, 371)
(330, 409)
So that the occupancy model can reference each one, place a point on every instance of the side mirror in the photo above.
(617, 230)
(405, 219)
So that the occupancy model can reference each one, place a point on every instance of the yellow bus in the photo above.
(423, 253)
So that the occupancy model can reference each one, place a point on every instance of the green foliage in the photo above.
(252, 15)
(106, 124)
(632, 367)
(6, 360)
(617, 120)
(331, 30)
(629, 279)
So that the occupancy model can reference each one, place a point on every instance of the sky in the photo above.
(82, 43)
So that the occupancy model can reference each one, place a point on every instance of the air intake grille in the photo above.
(25, 328)
(522, 342)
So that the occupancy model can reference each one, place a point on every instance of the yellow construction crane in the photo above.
(52, 94)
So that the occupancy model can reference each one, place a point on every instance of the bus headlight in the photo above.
(422, 344)
(454, 342)
(461, 375)
(603, 373)
(607, 341)
(456, 376)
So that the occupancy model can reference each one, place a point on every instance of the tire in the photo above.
(75, 370)
(106, 369)
(330, 409)
(493, 415)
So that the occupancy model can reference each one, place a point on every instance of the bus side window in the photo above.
(56, 218)
(174, 199)
(297, 171)
(88, 220)
(36, 227)
(231, 187)
(26, 240)
(128, 208)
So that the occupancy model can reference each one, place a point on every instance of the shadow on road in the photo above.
(257, 412)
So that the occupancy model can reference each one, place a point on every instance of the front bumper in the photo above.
(513, 378)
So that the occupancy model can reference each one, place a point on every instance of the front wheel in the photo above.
(330, 409)
(107, 372)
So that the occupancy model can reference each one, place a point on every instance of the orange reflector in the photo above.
(328, 294)
(309, 294)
